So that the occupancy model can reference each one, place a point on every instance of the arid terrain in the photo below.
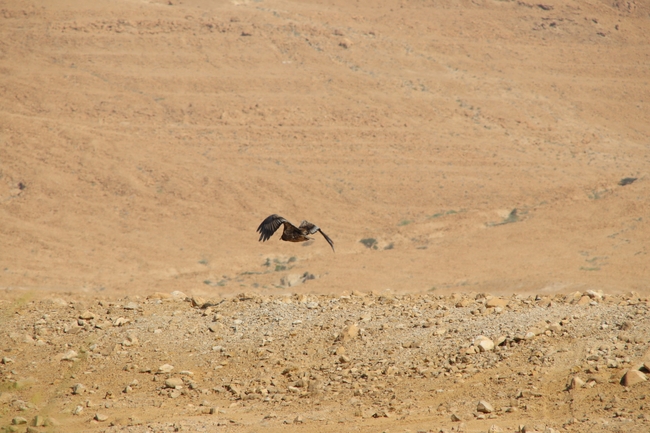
(458, 153)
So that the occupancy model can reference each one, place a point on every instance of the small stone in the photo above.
(38, 421)
(576, 383)
(632, 377)
(87, 315)
(19, 420)
(555, 327)
(455, 418)
(70, 355)
(463, 303)
(175, 393)
(120, 321)
(495, 429)
(101, 417)
(291, 280)
(483, 343)
(6, 360)
(197, 301)
(595, 295)
(298, 420)
(165, 368)
(215, 327)
(77, 410)
(78, 389)
(345, 43)
(234, 389)
(584, 300)
(177, 295)
(174, 382)
(496, 302)
(21, 338)
(348, 333)
(484, 407)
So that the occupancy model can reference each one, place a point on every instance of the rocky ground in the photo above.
(360, 361)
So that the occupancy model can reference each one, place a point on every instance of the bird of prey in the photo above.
(290, 233)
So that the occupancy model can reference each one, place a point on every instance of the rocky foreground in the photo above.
(362, 362)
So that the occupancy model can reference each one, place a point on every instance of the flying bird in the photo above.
(290, 233)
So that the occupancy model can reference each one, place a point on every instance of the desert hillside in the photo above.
(143, 142)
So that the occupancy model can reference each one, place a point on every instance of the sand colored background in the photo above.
(142, 142)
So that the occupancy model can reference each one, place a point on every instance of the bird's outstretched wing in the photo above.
(312, 228)
(269, 226)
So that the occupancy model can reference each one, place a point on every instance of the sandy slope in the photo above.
(152, 138)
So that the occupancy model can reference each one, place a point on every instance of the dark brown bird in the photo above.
(290, 233)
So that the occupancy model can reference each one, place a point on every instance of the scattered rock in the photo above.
(632, 377)
(87, 315)
(291, 280)
(348, 333)
(484, 344)
(70, 355)
(165, 368)
(100, 417)
(19, 420)
(174, 382)
(345, 43)
(576, 383)
(584, 300)
(496, 302)
(121, 321)
(484, 407)
(178, 295)
(405, 338)
(39, 421)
